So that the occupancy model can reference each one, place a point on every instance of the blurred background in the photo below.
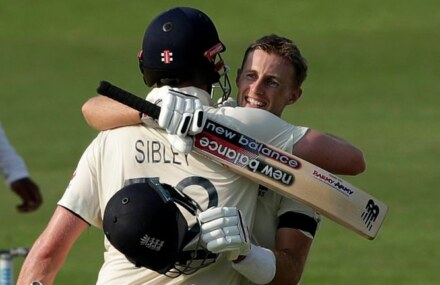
(373, 79)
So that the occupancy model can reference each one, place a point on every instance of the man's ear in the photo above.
(296, 94)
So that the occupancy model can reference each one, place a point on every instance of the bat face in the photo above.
(293, 177)
(277, 170)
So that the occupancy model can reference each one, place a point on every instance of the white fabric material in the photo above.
(138, 152)
(259, 265)
(223, 229)
(12, 165)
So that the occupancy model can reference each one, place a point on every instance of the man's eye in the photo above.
(250, 76)
(273, 83)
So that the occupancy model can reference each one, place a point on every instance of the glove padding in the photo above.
(230, 102)
(223, 229)
(181, 114)
(181, 144)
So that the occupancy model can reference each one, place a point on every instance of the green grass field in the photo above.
(373, 80)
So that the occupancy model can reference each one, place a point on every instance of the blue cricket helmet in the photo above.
(143, 222)
(181, 44)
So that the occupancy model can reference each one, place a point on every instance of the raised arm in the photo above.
(324, 150)
(103, 113)
(330, 153)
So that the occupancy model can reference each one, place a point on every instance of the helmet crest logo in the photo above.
(152, 243)
(167, 56)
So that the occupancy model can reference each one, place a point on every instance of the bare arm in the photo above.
(292, 249)
(330, 153)
(51, 248)
(326, 151)
(334, 155)
(103, 113)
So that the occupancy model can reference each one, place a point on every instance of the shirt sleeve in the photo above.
(12, 165)
(258, 124)
(82, 194)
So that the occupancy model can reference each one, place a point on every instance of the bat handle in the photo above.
(107, 89)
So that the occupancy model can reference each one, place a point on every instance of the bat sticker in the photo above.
(370, 214)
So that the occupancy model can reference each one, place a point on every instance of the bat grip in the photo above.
(105, 88)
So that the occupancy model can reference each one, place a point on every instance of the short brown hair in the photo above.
(284, 48)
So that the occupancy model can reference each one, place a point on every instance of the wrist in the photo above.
(258, 266)
(239, 259)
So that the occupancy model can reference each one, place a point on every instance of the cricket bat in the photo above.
(277, 170)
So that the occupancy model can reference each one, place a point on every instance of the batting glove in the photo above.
(181, 114)
(230, 102)
(223, 229)
(181, 144)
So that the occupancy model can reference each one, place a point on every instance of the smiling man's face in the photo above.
(266, 81)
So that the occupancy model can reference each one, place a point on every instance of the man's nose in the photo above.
(257, 87)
